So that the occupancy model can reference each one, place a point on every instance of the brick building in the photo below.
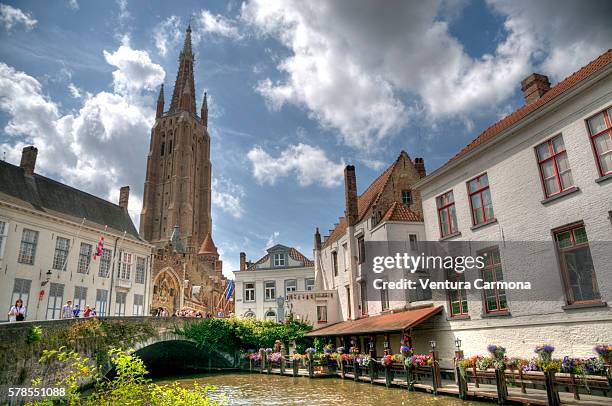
(176, 213)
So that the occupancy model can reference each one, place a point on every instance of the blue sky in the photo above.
(297, 90)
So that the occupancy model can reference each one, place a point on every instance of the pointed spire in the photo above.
(175, 240)
(204, 110)
(160, 102)
(184, 77)
(208, 247)
(317, 240)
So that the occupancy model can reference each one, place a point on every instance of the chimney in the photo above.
(350, 191)
(243, 265)
(124, 197)
(534, 87)
(317, 240)
(28, 159)
(419, 165)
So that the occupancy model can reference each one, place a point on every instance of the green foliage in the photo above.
(231, 334)
(129, 386)
(34, 334)
(318, 344)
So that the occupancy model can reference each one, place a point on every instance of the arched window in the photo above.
(249, 314)
(270, 315)
(162, 148)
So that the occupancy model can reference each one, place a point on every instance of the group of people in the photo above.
(185, 312)
(72, 312)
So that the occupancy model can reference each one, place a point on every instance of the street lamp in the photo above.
(47, 278)
(458, 343)
(432, 343)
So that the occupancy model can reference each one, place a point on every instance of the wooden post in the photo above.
(296, 367)
(551, 389)
(355, 371)
(435, 371)
(372, 368)
(475, 376)
(461, 383)
(388, 376)
(386, 345)
(342, 373)
(523, 388)
(282, 364)
(502, 389)
(310, 365)
(250, 364)
(262, 361)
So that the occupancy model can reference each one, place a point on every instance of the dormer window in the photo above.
(279, 259)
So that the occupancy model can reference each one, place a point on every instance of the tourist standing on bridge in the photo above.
(67, 310)
(17, 312)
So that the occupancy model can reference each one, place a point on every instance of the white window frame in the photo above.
(138, 305)
(248, 290)
(101, 305)
(58, 302)
(140, 272)
(126, 260)
(309, 283)
(3, 236)
(269, 291)
(21, 293)
(78, 300)
(120, 306)
(106, 260)
(320, 313)
(84, 258)
(287, 287)
(279, 259)
(33, 244)
(59, 264)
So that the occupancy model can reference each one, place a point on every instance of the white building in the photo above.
(48, 236)
(541, 174)
(262, 287)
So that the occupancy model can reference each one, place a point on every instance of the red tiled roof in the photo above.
(399, 212)
(379, 324)
(566, 84)
(364, 202)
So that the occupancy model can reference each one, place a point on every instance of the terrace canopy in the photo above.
(387, 323)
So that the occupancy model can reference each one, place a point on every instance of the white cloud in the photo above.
(167, 34)
(272, 240)
(94, 148)
(228, 196)
(73, 4)
(11, 17)
(74, 91)
(309, 164)
(366, 70)
(207, 23)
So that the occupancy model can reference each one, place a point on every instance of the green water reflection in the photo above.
(258, 389)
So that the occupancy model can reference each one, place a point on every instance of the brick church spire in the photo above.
(184, 79)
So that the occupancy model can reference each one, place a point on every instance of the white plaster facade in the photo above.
(523, 214)
(28, 281)
(292, 272)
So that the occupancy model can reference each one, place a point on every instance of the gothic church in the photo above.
(176, 213)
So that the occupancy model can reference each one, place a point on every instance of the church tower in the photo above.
(177, 190)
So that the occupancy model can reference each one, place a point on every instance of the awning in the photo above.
(386, 323)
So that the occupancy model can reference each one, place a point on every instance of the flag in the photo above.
(99, 248)
(230, 289)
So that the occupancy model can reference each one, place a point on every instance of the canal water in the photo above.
(260, 389)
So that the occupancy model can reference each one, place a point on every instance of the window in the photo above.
(270, 290)
(555, 172)
(407, 197)
(577, 265)
(290, 286)
(105, 263)
(321, 314)
(21, 290)
(270, 315)
(384, 299)
(347, 256)
(80, 296)
(480, 200)
(140, 270)
(27, 250)
(457, 297)
(279, 259)
(363, 293)
(84, 258)
(495, 299)
(62, 246)
(125, 265)
(249, 292)
(309, 283)
(101, 302)
(361, 248)
(412, 239)
(249, 314)
(138, 305)
(56, 299)
(600, 130)
(335, 262)
(163, 146)
(120, 300)
(446, 214)
(3, 234)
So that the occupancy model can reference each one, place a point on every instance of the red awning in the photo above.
(386, 323)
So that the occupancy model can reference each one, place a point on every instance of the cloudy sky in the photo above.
(297, 90)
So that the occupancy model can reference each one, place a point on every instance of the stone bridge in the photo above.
(155, 340)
